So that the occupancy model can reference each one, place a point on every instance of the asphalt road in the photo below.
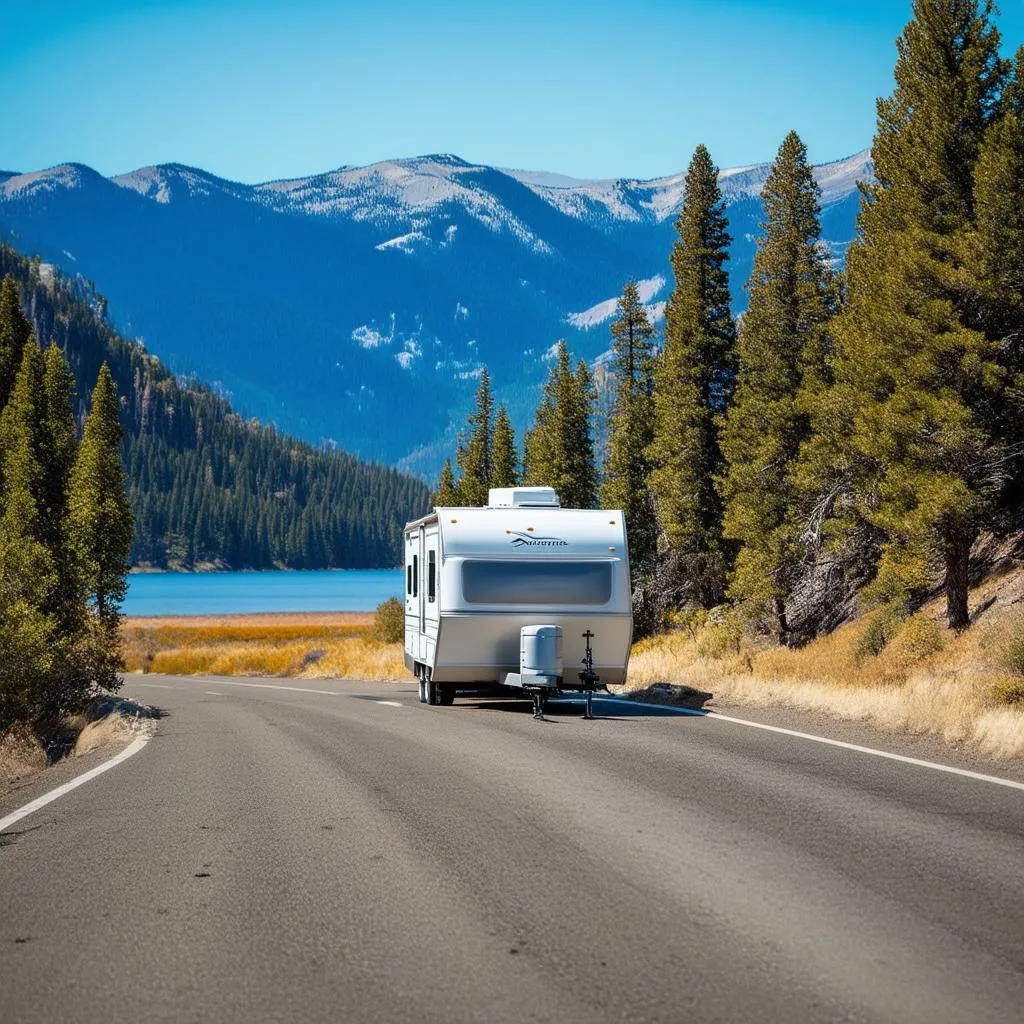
(280, 854)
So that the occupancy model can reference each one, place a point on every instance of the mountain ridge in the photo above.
(322, 303)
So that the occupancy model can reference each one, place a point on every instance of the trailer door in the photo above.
(421, 590)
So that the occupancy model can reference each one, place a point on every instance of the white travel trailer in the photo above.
(506, 596)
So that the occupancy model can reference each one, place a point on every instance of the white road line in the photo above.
(153, 686)
(714, 716)
(388, 703)
(30, 808)
(255, 686)
(214, 693)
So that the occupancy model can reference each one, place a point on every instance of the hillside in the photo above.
(207, 486)
(323, 303)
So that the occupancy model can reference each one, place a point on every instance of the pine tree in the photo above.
(59, 440)
(782, 348)
(14, 334)
(579, 444)
(27, 633)
(504, 457)
(999, 199)
(447, 493)
(560, 445)
(693, 381)
(909, 421)
(100, 524)
(631, 429)
(474, 456)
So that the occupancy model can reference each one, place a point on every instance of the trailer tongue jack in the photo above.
(588, 677)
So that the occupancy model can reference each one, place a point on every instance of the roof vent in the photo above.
(522, 497)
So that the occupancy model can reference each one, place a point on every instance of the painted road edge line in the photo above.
(30, 808)
(714, 716)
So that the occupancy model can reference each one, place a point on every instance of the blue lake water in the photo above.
(232, 593)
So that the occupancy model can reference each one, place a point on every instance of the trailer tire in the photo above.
(446, 694)
(422, 683)
(433, 691)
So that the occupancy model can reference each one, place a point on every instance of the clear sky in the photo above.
(258, 90)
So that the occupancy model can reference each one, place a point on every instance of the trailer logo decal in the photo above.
(527, 540)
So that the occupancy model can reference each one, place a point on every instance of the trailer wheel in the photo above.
(422, 684)
(433, 691)
(446, 694)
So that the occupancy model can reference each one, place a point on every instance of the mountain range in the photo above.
(358, 306)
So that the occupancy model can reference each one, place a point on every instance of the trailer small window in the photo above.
(537, 582)
(408, 579)
(415, 575)
(431, 576)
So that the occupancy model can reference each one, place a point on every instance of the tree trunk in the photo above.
(957, 558)
(780, 616)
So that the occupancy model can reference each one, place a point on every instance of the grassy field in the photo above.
(289, 644)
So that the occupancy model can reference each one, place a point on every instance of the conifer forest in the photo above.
(854, 431)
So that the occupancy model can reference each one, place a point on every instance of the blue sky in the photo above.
(261, 90)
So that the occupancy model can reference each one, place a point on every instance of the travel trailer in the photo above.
(522, 595)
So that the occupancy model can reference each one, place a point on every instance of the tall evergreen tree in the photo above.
(100, 523)
(474, 456)
(999, 200)
(504, 456)
(910, 420)
(560, 445)
(27, 579)
(447, 493)
(14, 334)
(580, 450)
(782, 360)
(693, 381)
(631, 429)
(59, 438)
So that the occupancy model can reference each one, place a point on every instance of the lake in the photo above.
(233, 593)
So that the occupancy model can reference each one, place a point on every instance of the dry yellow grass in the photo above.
(926, 680)
(21, 754)
(110, 729)
(304, 645)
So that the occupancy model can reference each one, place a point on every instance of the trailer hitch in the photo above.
(588, 677)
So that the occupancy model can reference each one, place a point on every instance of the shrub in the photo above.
(1009, 650)
(389, 622)
(920, 638)
(1009, 690)
(721, 634)
(882, 627)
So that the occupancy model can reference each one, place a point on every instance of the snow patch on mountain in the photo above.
(602, 312)
(407, 243)
(370, 337)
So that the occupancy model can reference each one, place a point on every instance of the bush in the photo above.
(920, 638)
(1009, 690)
(882, 627)
(389, 622)
(1010, 646)
(721, 634)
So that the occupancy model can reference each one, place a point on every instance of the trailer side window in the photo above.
(408, 579)
(552, 583)
(415, 575)
(431, 576)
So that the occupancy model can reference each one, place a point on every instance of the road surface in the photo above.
(327, 851)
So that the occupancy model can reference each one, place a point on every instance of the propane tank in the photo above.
(540, 652)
